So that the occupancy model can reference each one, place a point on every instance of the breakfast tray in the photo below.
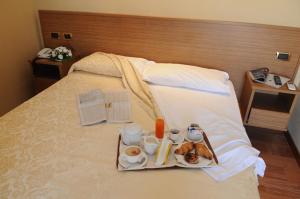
(171, 163)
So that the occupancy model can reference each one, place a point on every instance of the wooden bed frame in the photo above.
(230, 46)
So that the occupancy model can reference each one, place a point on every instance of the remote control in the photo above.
(291, 86)
(277, 80)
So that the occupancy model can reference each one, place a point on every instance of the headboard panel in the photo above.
(232, 47)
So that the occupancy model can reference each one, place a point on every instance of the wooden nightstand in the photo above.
(266, 107)
(46, 72)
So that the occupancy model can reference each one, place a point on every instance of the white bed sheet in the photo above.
(182, 106)
(220, 118)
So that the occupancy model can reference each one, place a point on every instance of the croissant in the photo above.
(202, 150)
(185, 148)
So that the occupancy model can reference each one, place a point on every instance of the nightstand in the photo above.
(46, 72)
(266, 107)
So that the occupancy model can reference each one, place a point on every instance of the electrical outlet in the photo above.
(55, 35)
(68, 36)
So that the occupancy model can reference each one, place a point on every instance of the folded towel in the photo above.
(235, 161)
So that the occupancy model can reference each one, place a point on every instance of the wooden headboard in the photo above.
(230, 46)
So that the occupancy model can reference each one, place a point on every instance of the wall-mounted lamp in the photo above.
(284, 56)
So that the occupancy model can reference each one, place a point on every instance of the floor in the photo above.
(282, 176)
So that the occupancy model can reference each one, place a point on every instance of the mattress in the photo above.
(45, 153)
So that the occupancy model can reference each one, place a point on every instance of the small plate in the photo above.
(190, 140)
(203, 162)
(139, 165)
(178, 141)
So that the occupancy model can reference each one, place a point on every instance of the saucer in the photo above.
(139, 165)
(191, 140)
(178, 141)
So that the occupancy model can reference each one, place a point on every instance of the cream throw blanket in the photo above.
(131, 80)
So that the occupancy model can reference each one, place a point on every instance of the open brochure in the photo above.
(98, 106)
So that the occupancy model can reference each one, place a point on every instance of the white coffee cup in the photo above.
(195, 133)
(132, 154)
(150, 144)
(132, 134)
(174, 134)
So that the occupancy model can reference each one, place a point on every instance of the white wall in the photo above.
(294, 125)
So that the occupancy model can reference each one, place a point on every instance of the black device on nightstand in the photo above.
(277, 80)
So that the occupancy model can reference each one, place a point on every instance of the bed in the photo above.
(46, 153)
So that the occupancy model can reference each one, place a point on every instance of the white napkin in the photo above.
(235, 161)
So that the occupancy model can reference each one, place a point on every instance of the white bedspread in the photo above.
(219, 116)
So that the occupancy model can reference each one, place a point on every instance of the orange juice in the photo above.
(159, 128)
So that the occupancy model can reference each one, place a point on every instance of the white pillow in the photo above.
(192, 77)
(140, 64)
(97, 63)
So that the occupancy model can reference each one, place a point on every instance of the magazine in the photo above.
(97, 106)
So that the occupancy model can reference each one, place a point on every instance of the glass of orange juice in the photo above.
(159, 128)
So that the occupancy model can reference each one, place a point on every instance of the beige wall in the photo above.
(19, 43)
(276, 12)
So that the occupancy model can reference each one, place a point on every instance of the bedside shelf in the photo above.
(281, 102)
(266, 107)
(47, 72)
